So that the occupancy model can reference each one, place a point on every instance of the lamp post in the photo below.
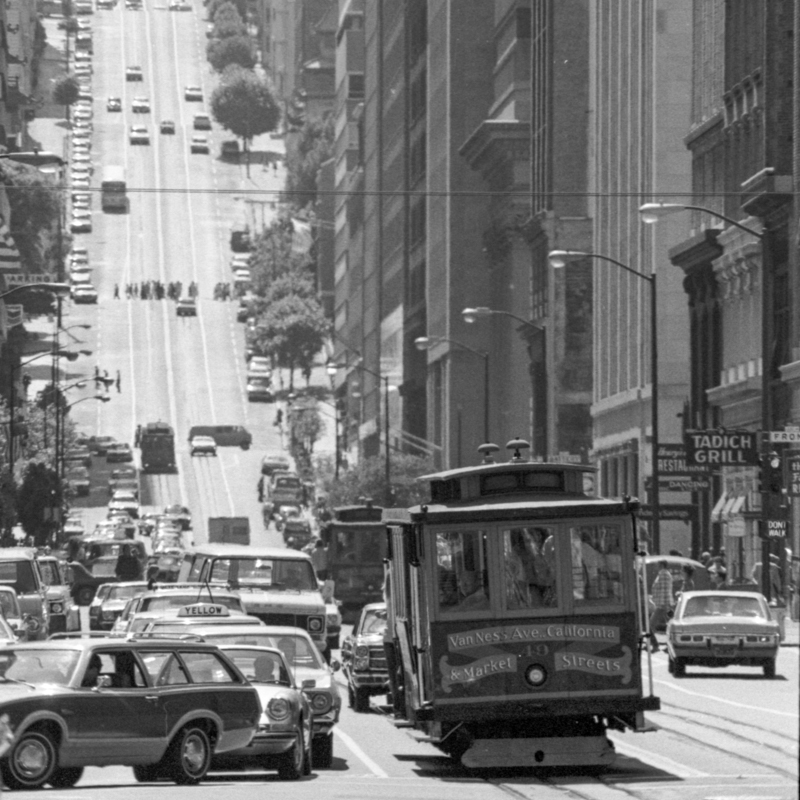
(472, 315)
(651, 213)
(558, 259)
(332, 368)
(425, 342)
(55, 390)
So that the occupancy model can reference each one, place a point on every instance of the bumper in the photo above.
(723, 656)
(375, 680)
(323, 724)
(262, 744)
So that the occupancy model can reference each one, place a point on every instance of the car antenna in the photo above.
(207, 585)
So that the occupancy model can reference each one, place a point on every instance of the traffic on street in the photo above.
(204, 617)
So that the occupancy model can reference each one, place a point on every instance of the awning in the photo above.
(734, 507)
(716, 512)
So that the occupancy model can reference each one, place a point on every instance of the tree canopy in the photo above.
(314, 147)
(66, 90)
(224, 7)
(243, 103)
(39, 493)
(221, 53)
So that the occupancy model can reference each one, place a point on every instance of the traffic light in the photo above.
(771, 474)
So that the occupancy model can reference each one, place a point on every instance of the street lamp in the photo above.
(651, 213)
(426, 342)
(558, 259)
(332, 369)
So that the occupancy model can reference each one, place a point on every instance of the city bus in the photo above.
(114, 190)
(517, 615)
(356, 545)
(156, 441)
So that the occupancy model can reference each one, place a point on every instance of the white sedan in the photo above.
(139, 135)
(202, 445)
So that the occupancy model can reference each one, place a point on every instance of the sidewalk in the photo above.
(792, 634)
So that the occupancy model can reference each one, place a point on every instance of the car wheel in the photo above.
(769, 668)
(361, 704)
(323, 751)
(671, 666)
(66, 777)
(679, 668)
(189, 756)
(84, 595)
(145, 773)
(31, 762)
(292, 761)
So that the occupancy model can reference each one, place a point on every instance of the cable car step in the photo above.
(402, 723)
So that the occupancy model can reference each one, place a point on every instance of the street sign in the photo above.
(679, 483)
(717, 448)
(735, 527)
(793, 475)
(672, 461)
(679, 513)
(789, 436)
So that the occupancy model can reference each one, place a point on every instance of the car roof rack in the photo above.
(79, 635)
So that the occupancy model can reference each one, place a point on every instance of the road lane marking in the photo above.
(361, 755)
(790, 714)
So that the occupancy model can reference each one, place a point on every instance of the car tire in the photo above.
(671, 666)
(66, 777)
(189, 756)
(292, 761)
(769, 668)
(679, 668)
(323, 751)
(146, 773)
(32, 762)
(361, 701)
(85, 595)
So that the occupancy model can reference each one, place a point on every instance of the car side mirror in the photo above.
(336, 665)
(103, 682)
(309, 683)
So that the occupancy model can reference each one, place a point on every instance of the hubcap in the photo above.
(194, 754)
(31, 759)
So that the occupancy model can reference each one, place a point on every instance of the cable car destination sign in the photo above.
(722, 448)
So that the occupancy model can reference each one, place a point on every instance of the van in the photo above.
(224, 435)
(277, 585)
(19, 569)
(202, 122)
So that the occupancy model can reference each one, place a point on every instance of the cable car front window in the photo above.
(529, 568)
(596, 564)
(461, 570)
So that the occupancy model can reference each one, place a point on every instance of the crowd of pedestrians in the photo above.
(222, 291)
(155, 290)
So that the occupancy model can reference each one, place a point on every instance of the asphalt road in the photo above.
(722, 734)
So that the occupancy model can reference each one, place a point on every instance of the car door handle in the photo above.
(152, 698)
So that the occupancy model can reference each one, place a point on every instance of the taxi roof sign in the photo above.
(204, 610)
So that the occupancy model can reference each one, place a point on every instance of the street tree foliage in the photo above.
(306, 428)
(367, 479)
(313, 148)
(227, 26)
(243, 103)
(39, 492)
(273, 256)
(66, 91)
(36, 208)
(224, 7)
(239, 50)
(292, 330)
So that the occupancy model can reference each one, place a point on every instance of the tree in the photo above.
(221, 53)
(273, 257)
(228, 26)
(368, 479)
(315, 146)
(36, 208)
(306, 427)
(225, 6)
(65, 92)
(243, 103)
(292, 330)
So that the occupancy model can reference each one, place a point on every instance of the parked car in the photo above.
(124, 478)
(78, 480)
(20, 570)
(193, 94)
(199, 144)
(230, 149)
(119, 452)
(363, 659)
(99, 444)
(160, 725)
(720, 629)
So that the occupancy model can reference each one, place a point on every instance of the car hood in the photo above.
(730, 625)
(369, 639)
(322, 677)
(260, 602)
(266, 691)
(11, 691)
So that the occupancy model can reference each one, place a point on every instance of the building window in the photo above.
(355, 87)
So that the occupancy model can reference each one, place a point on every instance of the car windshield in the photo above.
(260, 666)
(297, 650)
(374, 621)
(46, 665)
(123, 592)
(724, 606)
(280, 573)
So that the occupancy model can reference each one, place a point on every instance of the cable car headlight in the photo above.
(536, 675)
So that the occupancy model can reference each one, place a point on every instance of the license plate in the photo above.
(724, 651)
